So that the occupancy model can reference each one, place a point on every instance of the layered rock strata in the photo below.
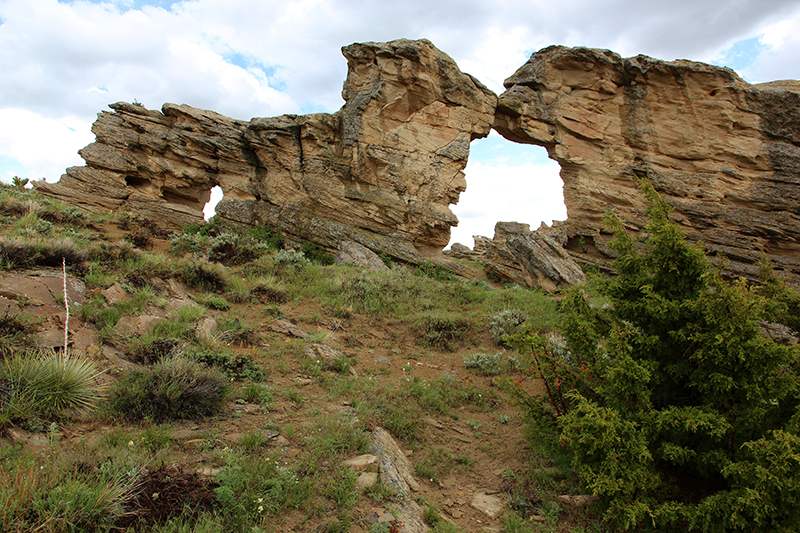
(382, 171)
(724, 153)
(530, 258)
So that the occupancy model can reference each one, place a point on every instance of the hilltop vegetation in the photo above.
(230, 373)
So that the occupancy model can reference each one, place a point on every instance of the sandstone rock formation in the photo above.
(531, 258)
(382, 171)
(352, 253)
(724, 153)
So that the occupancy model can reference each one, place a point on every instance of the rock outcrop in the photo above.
(382, 171)
(531, 258)
(352, 253)
(724, 153)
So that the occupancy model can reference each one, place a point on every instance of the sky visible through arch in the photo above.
(64, 62)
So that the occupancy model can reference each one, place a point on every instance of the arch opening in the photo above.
(210, 208)
(507, 182)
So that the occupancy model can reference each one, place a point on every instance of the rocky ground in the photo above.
(464, 464)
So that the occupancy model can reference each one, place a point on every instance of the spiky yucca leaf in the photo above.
(54, 382)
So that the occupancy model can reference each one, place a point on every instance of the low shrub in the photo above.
(291, 259)
(142, 226)
(15, 333)
(222, 243)
(172, 389)
(506, 322)
(203, 275)
(387, 259)
(315, 254)
(258, 393)
(444, 331)
(213, 302)
(233, 249)
(112, 254)
(233, 364)
(234, 331)
(139, 237)
(17, 252)
(272, 237)
(269, 294)
(66, 215)
(437, 272)
(184, 243)
(149, 351)
(488, 364)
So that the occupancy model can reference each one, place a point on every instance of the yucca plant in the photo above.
(50, 384)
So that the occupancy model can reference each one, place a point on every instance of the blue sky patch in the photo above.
(309, 108)
(248, 62)
(10, 168)
(741, 55)
(497, 150)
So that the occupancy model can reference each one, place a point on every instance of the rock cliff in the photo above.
(724, 153)
(383, 170)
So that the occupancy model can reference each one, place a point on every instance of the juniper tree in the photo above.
(676, 409)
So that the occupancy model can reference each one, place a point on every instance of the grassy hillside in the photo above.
(216, 380)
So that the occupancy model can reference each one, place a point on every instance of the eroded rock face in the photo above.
(160, 165)
(724, 153)
(382, 171)
(531, 258)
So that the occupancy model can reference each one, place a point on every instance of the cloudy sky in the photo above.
(63, 62)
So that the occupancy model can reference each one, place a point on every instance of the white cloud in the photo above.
(502, 52)
(43, 147)
(781, 59)
(526, 193)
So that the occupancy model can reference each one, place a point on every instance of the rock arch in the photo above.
(725, 154)
(383, 170)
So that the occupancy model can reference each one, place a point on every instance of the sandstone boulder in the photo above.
(459, 251)
(352, 253)
(397, 474)
(37, 297)
(531, 258)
